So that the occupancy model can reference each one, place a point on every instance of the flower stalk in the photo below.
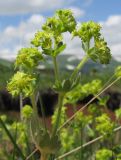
(79, 66)
(60, 103)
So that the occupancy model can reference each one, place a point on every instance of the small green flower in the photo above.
(67, 19)
(67, 140)
(54, 25)
(27, 111)
(92, 108)
(103, 154)
(104, 126)
(87, 31)
(118, 71)
(50, 39)
(43, 39)
(101, 52)
(82, 120)
(21, 83)
(81, 91)
(28, 57)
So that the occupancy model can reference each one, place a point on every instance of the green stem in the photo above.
(43, 112)
(56, 68)
(34, 105)
(60, 103)
(80, 65)
(35, 121)
(21, 106)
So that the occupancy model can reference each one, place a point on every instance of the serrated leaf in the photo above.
(76, 81)
(66, 85)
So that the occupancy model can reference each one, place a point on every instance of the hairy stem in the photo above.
(33, 101)
(43, 113)
(56, 68)
(80, 65)
(21, 106)
(60, 103)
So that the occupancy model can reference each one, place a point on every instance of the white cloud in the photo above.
(14, 38)
(111, 29)
(113, 20)
(8, 7)
(77, 12)
(73, 46)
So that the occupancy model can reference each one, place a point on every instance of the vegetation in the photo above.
(82, 136)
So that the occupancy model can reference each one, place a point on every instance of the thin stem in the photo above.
(32, 154)
(79, 66)
(85, 145)
(81, 109)
(56, 68)
(43, 112)
(21, 105)
(34, 104)
(35, 123)
(60, 103)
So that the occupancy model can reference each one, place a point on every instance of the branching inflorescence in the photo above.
(50, 42)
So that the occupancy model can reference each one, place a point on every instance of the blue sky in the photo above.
(19, 20)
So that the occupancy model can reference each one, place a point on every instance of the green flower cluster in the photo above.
(82, 120)
(50, 39)
(91, 31)
(27, 111)
(87, 31)
(28, 57)
(100, 52)
(43, 39)
(63, 21)
(21, 83)
(104, 126)
(82, 91)
(67, 140)
(104, 154)
(67, 20)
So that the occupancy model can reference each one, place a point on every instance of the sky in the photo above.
(20, 19)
